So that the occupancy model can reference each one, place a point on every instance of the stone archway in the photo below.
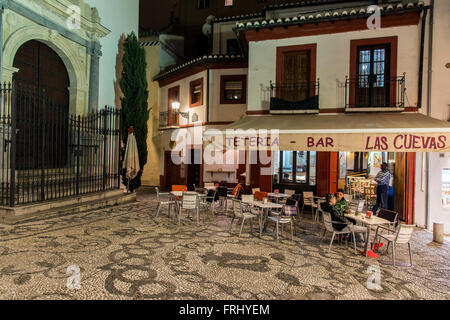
(72, 55)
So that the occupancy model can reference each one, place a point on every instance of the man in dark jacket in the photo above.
(340, 223)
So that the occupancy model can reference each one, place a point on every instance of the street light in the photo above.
(176, 107)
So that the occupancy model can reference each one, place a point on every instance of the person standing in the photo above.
(382, 179)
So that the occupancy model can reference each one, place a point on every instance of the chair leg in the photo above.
(393, 253)
(387, 248)
(157, 210)
(231, 226)
(277, 229)
(323, 236)
(410, 254)
(242, 226)
(331, 242)
(292, 233)
(354, 242)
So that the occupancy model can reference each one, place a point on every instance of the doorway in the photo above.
(42, 107)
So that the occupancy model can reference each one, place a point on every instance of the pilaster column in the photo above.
(95, 53)
(8, 73)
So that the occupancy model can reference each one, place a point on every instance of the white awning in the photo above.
(360, 132)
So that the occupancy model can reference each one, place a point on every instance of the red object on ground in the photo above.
(371, 254)
(377, 245)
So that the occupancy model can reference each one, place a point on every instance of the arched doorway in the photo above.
(42, 103)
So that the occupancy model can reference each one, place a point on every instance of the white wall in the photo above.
(225, 112)
(333, 64)
(440, 109)
(120, 17)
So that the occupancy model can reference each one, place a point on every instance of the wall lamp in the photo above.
(176, 108)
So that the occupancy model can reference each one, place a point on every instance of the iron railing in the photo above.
(300, 96)
(49, 154)
(373, 92)
(168, 119)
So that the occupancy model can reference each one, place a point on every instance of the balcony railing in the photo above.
(373, 92)
(168, 119)
(301, 97)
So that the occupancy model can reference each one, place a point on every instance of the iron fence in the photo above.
(168, 119)
(48, 153)
(375, 92)
(296, 96)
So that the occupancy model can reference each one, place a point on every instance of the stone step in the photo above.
(62, 207)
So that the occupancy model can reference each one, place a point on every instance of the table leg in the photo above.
(368, 240)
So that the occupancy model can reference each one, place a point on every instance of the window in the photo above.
(295, 167)
(233, 89)
(373, 69)
(233, 47)
(202, 4)
(228, 3)
(196, 93)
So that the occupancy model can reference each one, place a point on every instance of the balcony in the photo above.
(371, 93)
(301, 97)
(168, 119)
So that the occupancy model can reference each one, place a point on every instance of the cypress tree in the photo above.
(135, 112)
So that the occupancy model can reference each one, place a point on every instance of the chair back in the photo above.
(260, 195)
(211, 196)
(209, 184)
(290, 210)
(254, 190)
(237, 208)
(389, 215)
(189, 201)
(308, 197)
(178, 188)
(157, 193)
(327, 221)
(404, 233)
(246, 198)
(348, 197)
(289, 192)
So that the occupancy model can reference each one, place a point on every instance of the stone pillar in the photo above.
(7, 73)
(95, 53)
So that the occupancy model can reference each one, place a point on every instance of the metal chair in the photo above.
(286, 216)
(240, 213)
(164, 199)
(208, 202)
(308, 200)
(403, 235)
(189, 202)
(289, 192)
(328, 223)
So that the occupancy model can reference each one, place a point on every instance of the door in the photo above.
(373, 76)
(194, 169)
(296, 77)
(42, 107)
(171, 171)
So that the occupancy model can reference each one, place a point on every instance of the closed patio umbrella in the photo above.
(131, 160)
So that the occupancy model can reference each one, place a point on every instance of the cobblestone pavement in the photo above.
(124, 253)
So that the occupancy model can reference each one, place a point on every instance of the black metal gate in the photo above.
(49, 154)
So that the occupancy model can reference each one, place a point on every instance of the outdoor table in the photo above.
(265, 207)
(278, 196)
(373, 221)
(210, 188)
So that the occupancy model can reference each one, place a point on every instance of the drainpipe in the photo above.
(422, 49)
(1, 43)
(207, 92)
(430, 74)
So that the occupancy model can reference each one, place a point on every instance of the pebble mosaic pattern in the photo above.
(124, 253)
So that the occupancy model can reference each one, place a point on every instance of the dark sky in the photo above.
(155, 14)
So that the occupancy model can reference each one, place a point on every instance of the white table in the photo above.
(180, 193)
(373, 221)
(265, 208)
(278, 196)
